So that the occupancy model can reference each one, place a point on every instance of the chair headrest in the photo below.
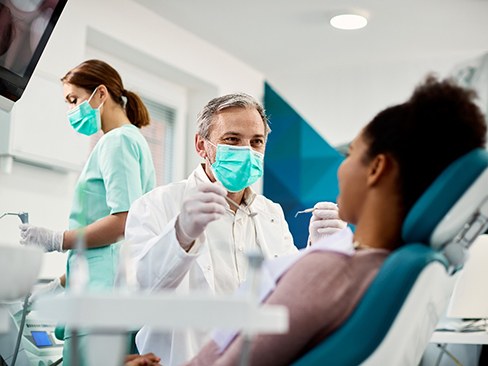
(449, 202)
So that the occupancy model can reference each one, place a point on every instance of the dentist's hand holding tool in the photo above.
(46, 239)
(325, 221)
(206, 205)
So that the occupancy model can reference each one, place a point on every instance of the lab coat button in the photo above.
(272, 220)
(209, 267)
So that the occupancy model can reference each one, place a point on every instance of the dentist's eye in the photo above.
(257, 143)
(231, 140)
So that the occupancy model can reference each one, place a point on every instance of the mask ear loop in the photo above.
(207, 159)
(91, 96)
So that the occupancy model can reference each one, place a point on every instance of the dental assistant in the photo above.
(193, 235)
(118, 171)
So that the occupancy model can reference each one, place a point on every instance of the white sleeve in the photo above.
(150, 230)
(288, 242)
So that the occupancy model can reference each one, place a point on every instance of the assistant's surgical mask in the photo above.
(84, 118)
(237, 167)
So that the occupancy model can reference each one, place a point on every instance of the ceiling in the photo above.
(290, 41)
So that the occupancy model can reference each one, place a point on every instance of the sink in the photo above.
(19, 268)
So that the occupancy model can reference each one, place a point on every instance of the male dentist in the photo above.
(194, 234)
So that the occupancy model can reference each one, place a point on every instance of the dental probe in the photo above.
(312, 209)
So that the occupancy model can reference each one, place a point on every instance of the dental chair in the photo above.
(398, 313)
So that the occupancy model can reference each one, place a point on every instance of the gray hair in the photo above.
(216, 105)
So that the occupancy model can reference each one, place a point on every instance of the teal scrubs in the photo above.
(118, 171)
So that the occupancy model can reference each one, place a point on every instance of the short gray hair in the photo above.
(216, 105)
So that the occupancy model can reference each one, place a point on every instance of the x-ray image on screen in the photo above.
(25, 28)
(22, 24)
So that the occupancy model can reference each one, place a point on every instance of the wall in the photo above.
(129, 31)
(346, 97)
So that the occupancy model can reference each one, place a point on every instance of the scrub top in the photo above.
(118, 171)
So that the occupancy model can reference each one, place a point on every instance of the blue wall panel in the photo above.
(300, 167)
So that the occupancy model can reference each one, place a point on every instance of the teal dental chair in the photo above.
(398, 313)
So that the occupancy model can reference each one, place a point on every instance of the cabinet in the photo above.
(37, 131)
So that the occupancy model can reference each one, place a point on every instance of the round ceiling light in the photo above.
(348, 21)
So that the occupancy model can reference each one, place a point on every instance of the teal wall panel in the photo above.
(300, 167)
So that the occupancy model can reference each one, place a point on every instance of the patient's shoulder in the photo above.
(329, 269)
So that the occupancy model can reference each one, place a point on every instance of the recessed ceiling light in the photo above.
(348, 21)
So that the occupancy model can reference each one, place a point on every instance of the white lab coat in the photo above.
(162, 264)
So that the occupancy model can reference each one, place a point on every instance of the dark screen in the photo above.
(25, 27)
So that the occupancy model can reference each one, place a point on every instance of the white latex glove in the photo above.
(47, 240)
(198, 210)
(325, 221)
(51, 288)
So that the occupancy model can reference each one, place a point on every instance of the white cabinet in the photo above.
(39, 131)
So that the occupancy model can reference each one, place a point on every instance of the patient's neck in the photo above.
(380, 228)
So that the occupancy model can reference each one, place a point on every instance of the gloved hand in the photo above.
(198, 210)
(46, 239)
(51, 288)
(325, 221)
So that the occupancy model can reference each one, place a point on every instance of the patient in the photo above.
(389, 165)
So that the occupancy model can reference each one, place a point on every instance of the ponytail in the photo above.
(136, 110)
(92, 73)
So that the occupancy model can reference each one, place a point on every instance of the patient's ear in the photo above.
(379, 167)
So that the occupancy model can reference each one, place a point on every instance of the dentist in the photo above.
(194, 234)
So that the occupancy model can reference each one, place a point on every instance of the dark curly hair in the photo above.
(438, 124)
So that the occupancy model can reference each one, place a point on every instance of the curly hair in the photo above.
(438, 124)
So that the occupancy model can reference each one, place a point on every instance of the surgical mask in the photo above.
(84, 118)
(237, 167)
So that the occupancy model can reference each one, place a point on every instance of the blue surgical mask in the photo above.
(237, 167)
(84, 118)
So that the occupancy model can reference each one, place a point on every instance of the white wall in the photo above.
(347, 97)
(131, 32)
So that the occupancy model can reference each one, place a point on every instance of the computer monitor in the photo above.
(25, 28)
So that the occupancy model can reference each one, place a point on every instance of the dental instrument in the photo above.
(311, 209)
(23, 216)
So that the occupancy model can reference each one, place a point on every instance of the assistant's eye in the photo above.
(71, 100)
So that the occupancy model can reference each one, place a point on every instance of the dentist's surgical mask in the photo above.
(237, 167)
(85, 119)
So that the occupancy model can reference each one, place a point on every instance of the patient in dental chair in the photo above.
(391, 162)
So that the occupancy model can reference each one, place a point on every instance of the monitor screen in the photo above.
(41, 338)
(25, 27)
